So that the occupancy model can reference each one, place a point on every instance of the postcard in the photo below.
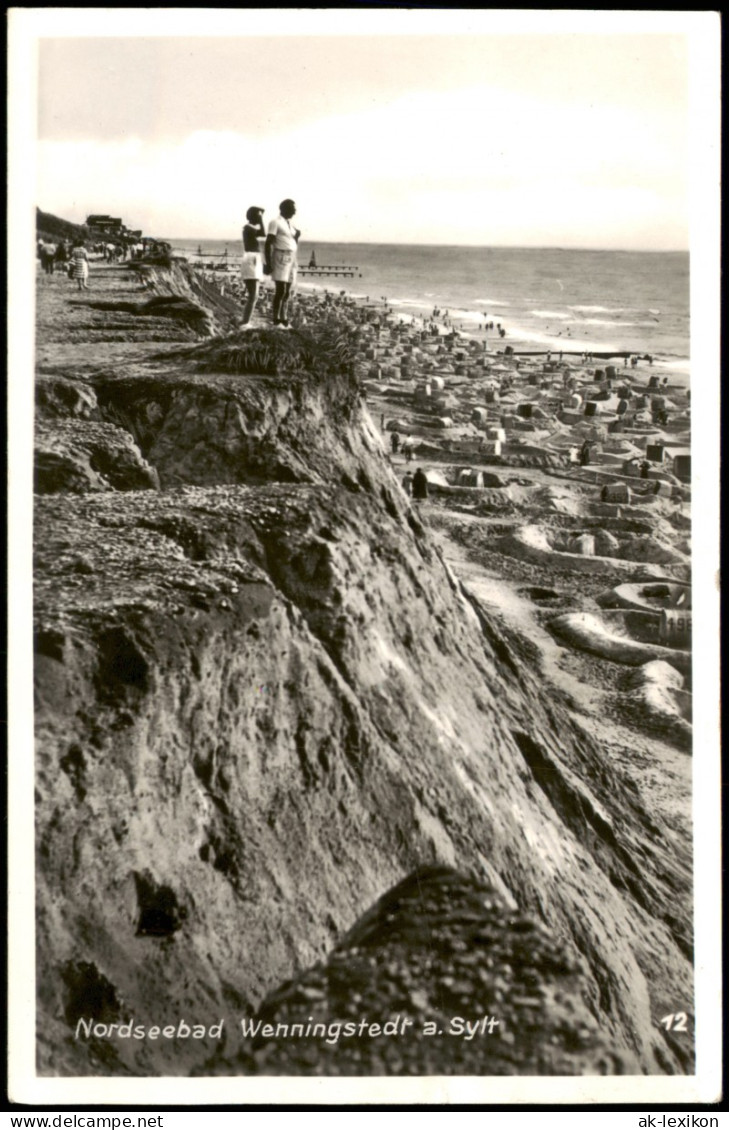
(363, 524)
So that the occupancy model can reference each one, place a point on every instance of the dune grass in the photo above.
(322, 351)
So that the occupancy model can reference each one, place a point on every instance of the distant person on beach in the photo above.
(420, 485)
(407, 483)
(585, 454)
(395, 442)
(280, 252)
(251, 267)
(80, 265)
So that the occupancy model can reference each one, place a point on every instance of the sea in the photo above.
(544, 298)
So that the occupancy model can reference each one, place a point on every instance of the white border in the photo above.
(703, 29)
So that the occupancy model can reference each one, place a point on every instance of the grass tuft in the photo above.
(322, 351)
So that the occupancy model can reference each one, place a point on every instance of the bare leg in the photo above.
(251, 299)
(278, 301)
(284, 307)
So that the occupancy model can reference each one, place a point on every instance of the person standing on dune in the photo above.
(251, 268)
(280, 253)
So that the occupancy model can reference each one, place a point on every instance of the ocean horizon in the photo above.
(220, 240)
(558, 298)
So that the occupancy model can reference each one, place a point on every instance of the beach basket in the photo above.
(584, 545)
(682, 467)
(676, 627)
(615, 492)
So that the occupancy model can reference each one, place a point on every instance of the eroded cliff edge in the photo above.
(264, 699)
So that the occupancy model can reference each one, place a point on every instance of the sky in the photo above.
(486, 137)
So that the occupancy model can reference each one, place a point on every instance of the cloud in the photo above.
(476, 165)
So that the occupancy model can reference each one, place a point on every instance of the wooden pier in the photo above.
(332, 271)
(556, 353)
(222, 261)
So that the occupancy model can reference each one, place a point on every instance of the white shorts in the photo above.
(251, 266)
(284, 266)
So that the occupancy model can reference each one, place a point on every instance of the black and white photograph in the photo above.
(363, 407)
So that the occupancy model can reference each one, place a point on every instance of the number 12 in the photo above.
(675, 1022)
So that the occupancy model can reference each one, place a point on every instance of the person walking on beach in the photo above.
(280, 251)
(80, 265)
(251, 268)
